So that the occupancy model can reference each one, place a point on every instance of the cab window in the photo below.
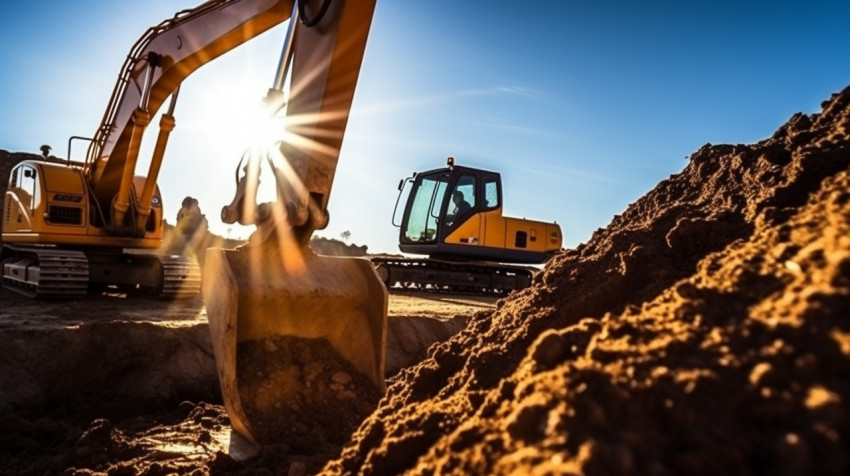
(462, 200)
(491, 193)
(422, 216)
(24, 179)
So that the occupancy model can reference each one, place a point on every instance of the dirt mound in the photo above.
(704, 331)
(333, 247)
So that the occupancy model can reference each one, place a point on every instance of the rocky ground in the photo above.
(703, 331)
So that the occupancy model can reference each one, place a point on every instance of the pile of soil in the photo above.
(334, 247)
(703, 331)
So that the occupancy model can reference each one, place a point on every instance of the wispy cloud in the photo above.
(519, 129)
(415, 103)
(521, 91)
(444, 97)
(569, 174)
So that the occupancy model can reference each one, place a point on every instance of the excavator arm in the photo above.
(275, 293)
(154, 69)
(324, 72)
(323, 61)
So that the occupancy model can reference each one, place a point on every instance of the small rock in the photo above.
(341, 378)
(549, 350)
(346, 395)
(759, 370)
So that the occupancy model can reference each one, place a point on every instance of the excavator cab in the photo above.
(456, 213)
(442, 200)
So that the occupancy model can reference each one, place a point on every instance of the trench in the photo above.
(128, 365)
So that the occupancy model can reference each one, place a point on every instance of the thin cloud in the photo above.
(411, 103)
(519, 129)
(570, 174)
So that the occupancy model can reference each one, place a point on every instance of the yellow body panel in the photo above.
(54, 207)
(467, 233)
(63, 179)
(16, 215)
(492, 230)
(80, 240)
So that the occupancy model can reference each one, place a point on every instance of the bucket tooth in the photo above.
(254, 294)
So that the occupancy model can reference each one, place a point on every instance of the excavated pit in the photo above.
(703, 331)
(129, 384)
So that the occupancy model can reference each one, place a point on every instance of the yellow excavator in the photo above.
(454, 215)
(71, 226)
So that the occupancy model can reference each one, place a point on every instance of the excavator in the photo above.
(454, 215)
(70, 226)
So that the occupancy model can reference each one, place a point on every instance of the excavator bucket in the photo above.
(299, 338)
(294, 338)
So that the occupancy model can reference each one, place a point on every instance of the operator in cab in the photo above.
(461, 207)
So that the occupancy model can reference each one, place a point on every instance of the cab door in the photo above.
(421, 221)
(22, 198)
(461, 202)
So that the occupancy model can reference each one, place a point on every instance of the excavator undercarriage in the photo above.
(50, 272)
(451, 277)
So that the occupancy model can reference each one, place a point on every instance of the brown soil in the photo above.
(323, 397)
(114, 384)
(703, 331)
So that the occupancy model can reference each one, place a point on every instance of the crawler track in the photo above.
(46, 272)
(181, 277)
(457, 277)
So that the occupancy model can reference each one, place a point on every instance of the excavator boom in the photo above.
(275, 294)
(154, 69)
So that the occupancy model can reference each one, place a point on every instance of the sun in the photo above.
(220, 117)
(237, 115)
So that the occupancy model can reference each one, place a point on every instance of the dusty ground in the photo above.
(703, 331)
(126, 385)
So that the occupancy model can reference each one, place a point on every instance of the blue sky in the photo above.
(582, 106)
